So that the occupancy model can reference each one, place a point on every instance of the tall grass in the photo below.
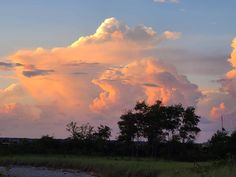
(124, 167)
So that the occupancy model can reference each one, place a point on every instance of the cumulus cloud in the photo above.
(171, 35)
(113, 30)
(11, 94)
(222, 102)
(167, 85)
(217, 111)
(19, 111)
(113, 44)
(97, 76)
(229, 82)
(16, 104)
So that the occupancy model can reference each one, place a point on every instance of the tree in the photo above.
(128, 127)
(47, 144)
(153, 123)
(83, 132)
(72, 128)
(232, 143)
(188, 129)
(173, 121)
(159, 123)
(219, 144)
(103, 133)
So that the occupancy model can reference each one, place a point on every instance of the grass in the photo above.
(125, 167)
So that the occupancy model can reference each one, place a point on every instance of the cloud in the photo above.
(166, 1)
(113, 30)
(8, 66)
(113, 44)
(12, 93)
(37, 72)
(171, 35)
(81, 63)
(228, 85)
(19, 111)
(217, 111)
(79, 73)
(229, 82)
(150, 85)
(167, 85)
(16, 104)
(221, 102)
(114, 70)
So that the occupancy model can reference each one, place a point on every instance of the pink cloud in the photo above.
(217, 111)
(96, 77)
(152, 79)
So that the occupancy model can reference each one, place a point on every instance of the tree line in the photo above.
(155, 130)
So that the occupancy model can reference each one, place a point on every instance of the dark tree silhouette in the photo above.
(72, 128)
(219, 144)
(158, 123)
(189, 122)
(103, 133)
(128, 127)
(83, 132)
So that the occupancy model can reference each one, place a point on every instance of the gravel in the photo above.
(16, 171)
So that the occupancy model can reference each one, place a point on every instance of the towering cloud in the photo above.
(112, 30)
(151, 79)
(223, 101)
(229, 83)
(98, 75)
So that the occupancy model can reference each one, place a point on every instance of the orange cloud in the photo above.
(7, 108)
(93, 79)
(19, 111)
(232, 60)
(217, 111)
(152, 79)
(226, 95)
(118, 32)
(229, 82)
(53, 76)
(106, 98)
(99, 75)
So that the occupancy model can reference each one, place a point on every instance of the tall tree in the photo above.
(219, 144)
(173, 116)
(159, 123)
(103, 132)
(189, 129)
(128, 127)
(72, 128)
(153, 123)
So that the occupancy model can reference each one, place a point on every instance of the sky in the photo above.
(90, 61)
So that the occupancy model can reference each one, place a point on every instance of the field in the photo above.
(125, 167)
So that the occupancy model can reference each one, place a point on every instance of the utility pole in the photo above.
(222, 123)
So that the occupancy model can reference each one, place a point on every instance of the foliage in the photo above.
(158, 131)
(158, 123)
(87, 132)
